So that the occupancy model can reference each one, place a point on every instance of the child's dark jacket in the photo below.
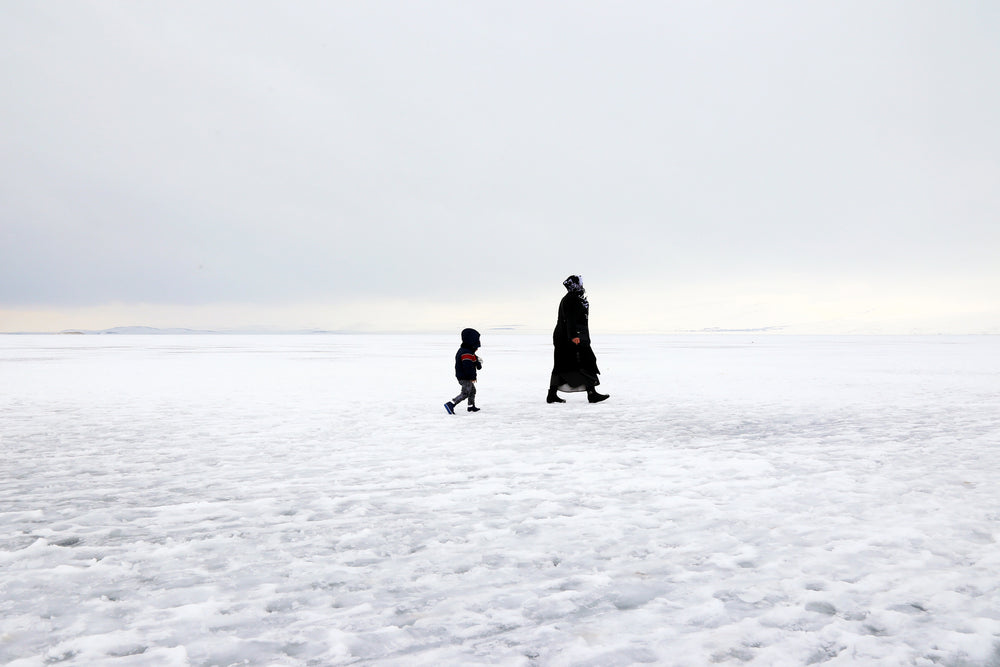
(466, 361)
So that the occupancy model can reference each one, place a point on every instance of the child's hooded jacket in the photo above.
(466, 361)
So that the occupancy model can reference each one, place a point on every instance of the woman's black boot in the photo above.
(554, 381)
(594, 397)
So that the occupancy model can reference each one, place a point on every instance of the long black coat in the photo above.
(575, 365)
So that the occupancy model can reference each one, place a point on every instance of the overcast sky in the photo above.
(815, 166)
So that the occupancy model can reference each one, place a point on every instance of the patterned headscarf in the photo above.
(574, 285)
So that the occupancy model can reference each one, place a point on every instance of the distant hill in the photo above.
(136, 331)
(154, 331)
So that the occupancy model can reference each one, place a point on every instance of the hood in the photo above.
(574, 284)
(470, 339)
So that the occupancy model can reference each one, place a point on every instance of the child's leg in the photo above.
(466, 385)
(472, 394)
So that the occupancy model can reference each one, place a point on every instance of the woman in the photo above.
(575, 364)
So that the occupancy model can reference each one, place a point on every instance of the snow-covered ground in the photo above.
(306, 500)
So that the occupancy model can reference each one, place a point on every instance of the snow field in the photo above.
(296, 500)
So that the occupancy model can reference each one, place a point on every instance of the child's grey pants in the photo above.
(468, 392)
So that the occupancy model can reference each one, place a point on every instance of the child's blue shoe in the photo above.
(450, 407)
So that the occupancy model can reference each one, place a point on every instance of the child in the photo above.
(466, 365)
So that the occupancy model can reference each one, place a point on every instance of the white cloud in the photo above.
(192, 156)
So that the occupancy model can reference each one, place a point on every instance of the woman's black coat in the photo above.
(576, 365)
